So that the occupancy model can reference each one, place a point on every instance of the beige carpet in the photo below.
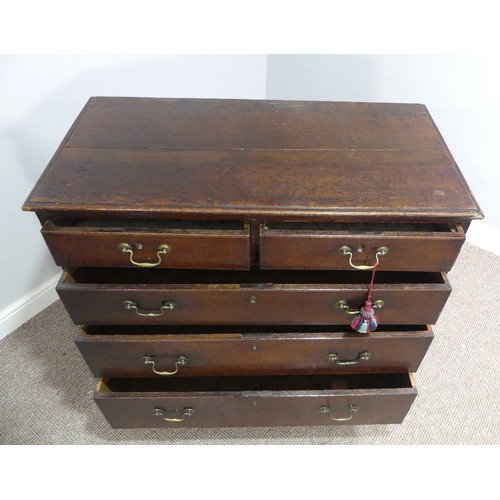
(46, 387)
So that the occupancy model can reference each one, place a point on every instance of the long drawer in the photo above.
(142, 351)
(135, 296)
(395, 246)
(148, 243)
(255, 401)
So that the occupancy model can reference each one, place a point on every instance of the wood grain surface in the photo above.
(254, 158)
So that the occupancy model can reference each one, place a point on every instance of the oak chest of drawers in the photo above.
(215, 252)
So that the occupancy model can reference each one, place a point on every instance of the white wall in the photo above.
(462, 94)
(40, 96)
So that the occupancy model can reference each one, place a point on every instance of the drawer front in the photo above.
(288, 248)
(256, 401)
(74, 246)
(110, 353)
(231, 303)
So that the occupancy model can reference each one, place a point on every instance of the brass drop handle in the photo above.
(352, 409)
(347, 251)
(362, 356)
(342, 304)
(181, 361)
(162, 250)
(130, 305)
(186, 412)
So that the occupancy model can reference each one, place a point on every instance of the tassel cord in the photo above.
(371, 282)
(366, 321)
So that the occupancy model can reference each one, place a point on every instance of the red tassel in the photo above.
(366, 321)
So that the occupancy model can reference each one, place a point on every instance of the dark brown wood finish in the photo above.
(266, 158)
(255, 401)
(99, 296)
(294, 246)
(251, 124)
(73, 246)
(119, 351)
(254, 199)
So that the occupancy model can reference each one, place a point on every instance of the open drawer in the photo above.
(96, 296)
(182, 351)
(148, 243)
(256, 401)
(396, 246)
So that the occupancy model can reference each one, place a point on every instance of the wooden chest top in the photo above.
(254, 158)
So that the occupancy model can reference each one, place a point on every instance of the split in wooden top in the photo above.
(219, 158)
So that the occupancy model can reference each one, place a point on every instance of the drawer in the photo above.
(148, 243)
(135, 351)
(255, 401)
(140, 296)
(405, 247)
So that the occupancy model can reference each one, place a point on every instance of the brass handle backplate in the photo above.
(181, 361)
(352, 409)
(186, 412)
(346, 251)
(130, 305)
(342, 304)
(362, 356)
(127, 248)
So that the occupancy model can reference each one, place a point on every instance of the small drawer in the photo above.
(170, 351)
(256, 401)
(148, 243)
(96, 296)
(398, 247)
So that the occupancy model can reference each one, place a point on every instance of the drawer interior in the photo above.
(245, 331)
(244, 279)
(371, 228)
(260, 383)
(149, 225)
